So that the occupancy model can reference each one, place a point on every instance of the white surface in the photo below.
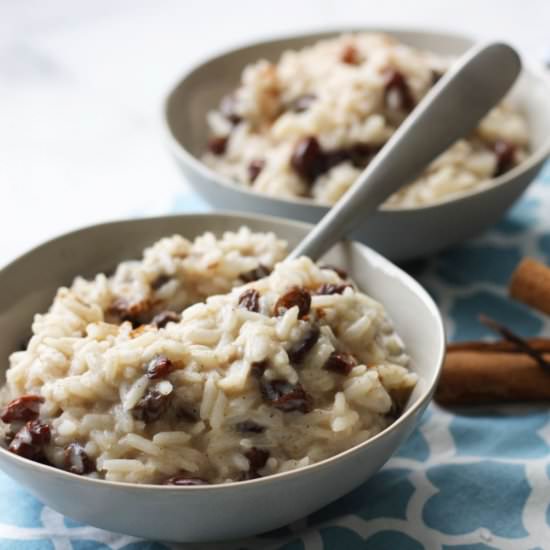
(81, 85)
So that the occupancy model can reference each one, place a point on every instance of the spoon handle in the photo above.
(449, 111)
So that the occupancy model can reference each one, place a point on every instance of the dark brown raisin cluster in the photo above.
(329, 288)
(160, 320)
(340, 362)
(298, 352)
(22, 409)
(30, 440)
(159, 367)
(397, 93)
(250, 299)
(137, 313)
(309, 160)
(258, 368)
(152, 406)
(296, 296)
(285, 396)
(217, 145)
(257, 458)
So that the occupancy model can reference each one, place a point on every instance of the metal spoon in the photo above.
(449, 111)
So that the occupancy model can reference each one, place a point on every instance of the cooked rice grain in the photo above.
(230, 389)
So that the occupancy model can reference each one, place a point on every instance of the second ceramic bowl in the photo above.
(399, 234)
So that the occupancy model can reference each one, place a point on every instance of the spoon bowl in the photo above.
(212, 512)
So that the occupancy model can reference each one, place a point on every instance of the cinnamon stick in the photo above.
(530, 284)
(475, 377)
(515, 339)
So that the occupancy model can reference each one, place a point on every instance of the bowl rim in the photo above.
(371, 255)
(529, 66)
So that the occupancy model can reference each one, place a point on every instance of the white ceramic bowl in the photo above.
(399, 234)
(218, 511)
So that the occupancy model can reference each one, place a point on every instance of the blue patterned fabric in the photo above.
(466, 480)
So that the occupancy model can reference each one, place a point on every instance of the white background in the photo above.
(81, 85)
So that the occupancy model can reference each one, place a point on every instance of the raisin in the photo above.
(308, 159)
(77, 460)
(160, 281)
(294, 297)
(298, 353)
(185, 481)
(303, 103)
(257, 458)
(217, 145)
(285, 396)
(397, 94)
(254, 169)
(22, 409)
(340, 362)
(250, 299)
(258, 368)
(254, 274)
(333, 158)
(40, 432)
(249, 426)
(228, 109)
(359, 154)
(164, 317)
(506, 155)
(28, 442)
(350, 55)
(159, 367)
(136, 313)
(20, 447)
(152, 406)
(340, 272)
(329, 288)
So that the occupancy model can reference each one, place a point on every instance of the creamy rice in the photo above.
(307, 125)
(237, 381)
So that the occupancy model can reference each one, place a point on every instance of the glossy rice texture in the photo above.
(176, 370)
(307, 125)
